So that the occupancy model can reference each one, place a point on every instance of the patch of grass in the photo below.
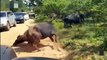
(83, 49)
(85, 40)
(57, 24)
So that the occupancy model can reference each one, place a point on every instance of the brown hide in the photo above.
(33, 36)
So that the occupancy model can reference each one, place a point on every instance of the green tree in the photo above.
(22, 6)
(96, 8)
(4, 5)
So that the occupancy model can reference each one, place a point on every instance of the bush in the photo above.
(41, 18)
(100, 33)
(57, 24)
(4, 6)
(103, 46)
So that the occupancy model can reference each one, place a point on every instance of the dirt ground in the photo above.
(24, 50)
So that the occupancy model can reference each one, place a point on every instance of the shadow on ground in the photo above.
(26, 47)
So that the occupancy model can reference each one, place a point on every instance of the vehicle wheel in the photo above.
(7, 27)
(23, 21)
(14, 24)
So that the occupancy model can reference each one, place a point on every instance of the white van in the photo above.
(7, 19)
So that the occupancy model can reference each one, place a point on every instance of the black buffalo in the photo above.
(35, 33)
(73, 19)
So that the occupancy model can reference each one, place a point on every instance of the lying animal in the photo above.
(37, 32)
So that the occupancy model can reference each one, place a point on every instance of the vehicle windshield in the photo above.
(2, 14)
(17, 14)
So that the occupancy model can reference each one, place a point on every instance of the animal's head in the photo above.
(19, 39)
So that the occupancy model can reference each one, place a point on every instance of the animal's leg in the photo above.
(36, 44)
(71, 25)
(55, 37)
(65, 25)
(54, 40)
(33, 44)
(30, 43)
(53, 47)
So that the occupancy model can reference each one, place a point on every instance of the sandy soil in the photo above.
(24, 50)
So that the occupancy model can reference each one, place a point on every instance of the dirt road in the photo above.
(24, 50)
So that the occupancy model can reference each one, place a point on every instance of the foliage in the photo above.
(41, 18)
(81, 49)
(39, 2)
(22, 6)
(89, 36)
(96, 9)
(4, 5)
(53, 6)
(57, 24)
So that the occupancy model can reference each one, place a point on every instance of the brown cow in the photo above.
(35, 33)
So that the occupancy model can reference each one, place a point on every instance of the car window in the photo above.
(2, 14)
(8, 14)
(17, 14)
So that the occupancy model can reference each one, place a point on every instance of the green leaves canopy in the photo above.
(97, 8)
